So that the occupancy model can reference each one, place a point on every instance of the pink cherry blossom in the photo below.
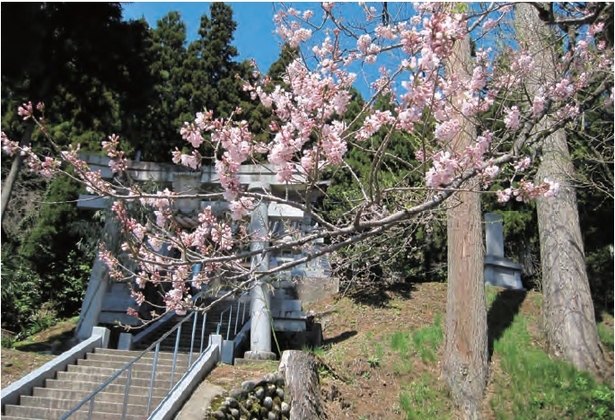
(446, 130)
(511, 120)
(443, 170)
(523, 164)
(25, 110)
(504, 195)
(192, 134)
(240, 208)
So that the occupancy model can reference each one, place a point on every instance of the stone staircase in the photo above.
(71, 386)
(211, 326)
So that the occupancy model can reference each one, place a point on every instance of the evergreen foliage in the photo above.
(83, 63)
(407, 252)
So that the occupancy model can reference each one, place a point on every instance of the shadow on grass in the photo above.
(54, 344)
(339, 338)
(379, 294)
(502, 313)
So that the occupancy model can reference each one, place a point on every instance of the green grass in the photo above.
(490, 294)
(535, 386)
(425, 400)
(423, 342)
(317, 351)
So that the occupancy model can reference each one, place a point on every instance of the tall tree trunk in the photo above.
(9, 182)
(568, 316)
(466, 354)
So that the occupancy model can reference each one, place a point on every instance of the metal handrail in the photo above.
(230, 308)
(230, 319)
(155, 326)
(128, 369)
(90, 399)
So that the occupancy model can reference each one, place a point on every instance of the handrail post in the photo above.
(126, 392)
(179, 331)
(91, 408)
(237, 317)
(243, 315)
(230, 318)
(203, 332)
(152, 378)
(220, 322)
(196, 317)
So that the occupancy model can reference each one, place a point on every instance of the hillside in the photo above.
(381, 359)
(382, 351)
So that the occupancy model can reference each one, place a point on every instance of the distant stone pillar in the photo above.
(494, 233)
(97, 286)
(260, 329)
(187, 183)
(499, 270)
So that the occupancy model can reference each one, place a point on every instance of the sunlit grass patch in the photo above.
(533, 385)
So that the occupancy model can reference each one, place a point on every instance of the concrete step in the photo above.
(284, 284)
(289, 314)
(242, 361)
(54, 414)
(164, 358)
(185, 336)
(186, 348)
(138, 395)
(289, 325)
(166, 366)
(284, 294)
(162, 381)
(99, 406)
(88, 387)
(108, 372)
(285, 305)
(14, 418)
(162, 355)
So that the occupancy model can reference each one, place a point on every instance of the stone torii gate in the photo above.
(107, 302)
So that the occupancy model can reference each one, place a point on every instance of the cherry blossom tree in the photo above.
(568, 318)
(402, 54)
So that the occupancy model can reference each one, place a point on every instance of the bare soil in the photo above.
(34, 352)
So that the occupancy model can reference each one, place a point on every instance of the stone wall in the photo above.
(261, 399)
(313, 289)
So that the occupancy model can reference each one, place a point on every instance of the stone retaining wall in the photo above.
(261, 399)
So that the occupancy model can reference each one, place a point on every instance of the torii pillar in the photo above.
(261, 323)
(97, 286)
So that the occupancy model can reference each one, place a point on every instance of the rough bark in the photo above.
(465, 365)
(9, 182)
(568, 318)
(302, 385)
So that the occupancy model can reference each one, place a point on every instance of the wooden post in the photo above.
(302, 385)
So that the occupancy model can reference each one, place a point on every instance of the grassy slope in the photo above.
(22, 357)
(380, 359)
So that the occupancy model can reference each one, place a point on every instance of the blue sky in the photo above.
(255, 35)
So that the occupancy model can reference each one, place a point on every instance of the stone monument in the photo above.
(499, 270)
